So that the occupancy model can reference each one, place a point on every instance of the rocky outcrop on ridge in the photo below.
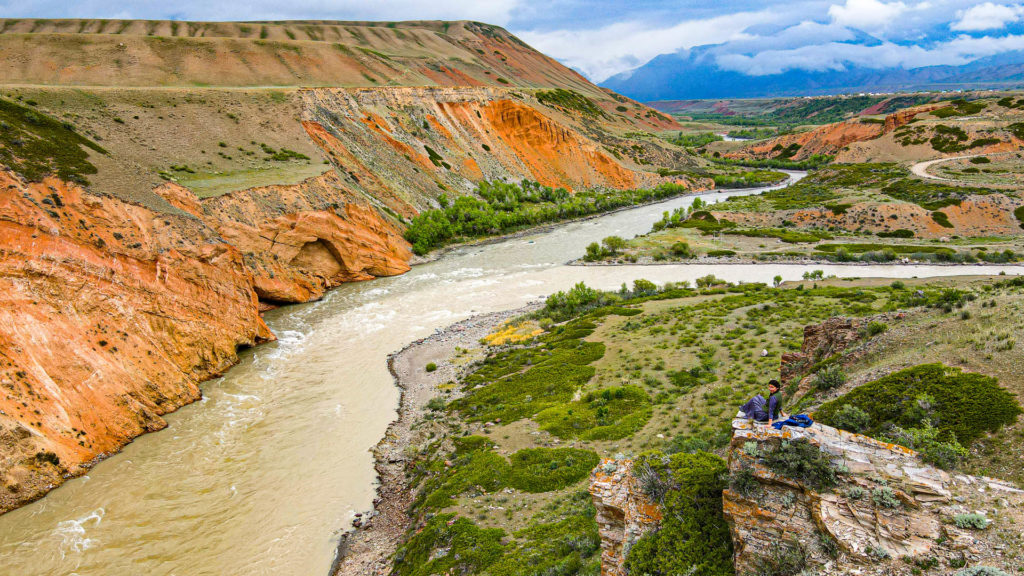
(889, 514)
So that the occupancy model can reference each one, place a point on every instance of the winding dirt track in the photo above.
(921, 168)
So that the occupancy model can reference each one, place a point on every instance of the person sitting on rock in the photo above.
(762, 410)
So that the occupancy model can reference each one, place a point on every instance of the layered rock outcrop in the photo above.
(888, 511)
(624, 512)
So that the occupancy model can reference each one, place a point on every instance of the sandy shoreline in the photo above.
(368, 548)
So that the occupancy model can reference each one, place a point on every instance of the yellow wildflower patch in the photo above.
(513, 333)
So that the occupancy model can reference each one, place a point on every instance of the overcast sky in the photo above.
(604, 37)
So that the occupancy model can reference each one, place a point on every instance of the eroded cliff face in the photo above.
(624, 512)
(112, 313)
(405, 146)
(110, 316)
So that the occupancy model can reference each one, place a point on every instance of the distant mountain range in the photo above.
(695, 74)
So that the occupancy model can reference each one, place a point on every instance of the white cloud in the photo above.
(840, 56)
(987, 16)
(603, 52)
(870, 15)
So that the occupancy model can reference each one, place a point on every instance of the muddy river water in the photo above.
(259, 477)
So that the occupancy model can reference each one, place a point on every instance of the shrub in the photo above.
(608, 414)
(431, 366)
(721, 253)
(469, 548)
(970, 521)
(682, 250)
(947, 455)
(782, 559)
(900, 233)
(966, 404)
(546, 469)
(436, 404)
(884, 497)
(802, 461)
(941, 219)
(980, 160)
(981, 571)
(851, 418)
(694, 537)
(874, 328)
(829, 377)
(744, 483)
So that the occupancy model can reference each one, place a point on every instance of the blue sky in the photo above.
(604, 37)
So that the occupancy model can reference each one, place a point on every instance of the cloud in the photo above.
(603, 52)
(841, 56)
(872, 15)
(987, 16)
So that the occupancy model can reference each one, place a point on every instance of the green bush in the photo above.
(782, 559)
(470, 549)
(682, 250)
(873, 328)
(884, 497)
(925, 440)
(693, 537)
(570, 99)
(36, 145)
(476, 466)
(967, 405)
(900, 233)
(1018, 213)
(970, 521)
(941, 219)
(546, 469)
(851, 418)
(980, 160)
(829, 377)
(609, 414)
(801, 461)
(569, 546)
(981, 571)
(431, 366)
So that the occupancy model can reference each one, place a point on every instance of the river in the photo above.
(260, 476)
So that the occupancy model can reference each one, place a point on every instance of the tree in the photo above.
(594, 252)
(613, 244)
(776, 281)
(641, 286)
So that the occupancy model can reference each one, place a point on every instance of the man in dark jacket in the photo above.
(763, 410)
